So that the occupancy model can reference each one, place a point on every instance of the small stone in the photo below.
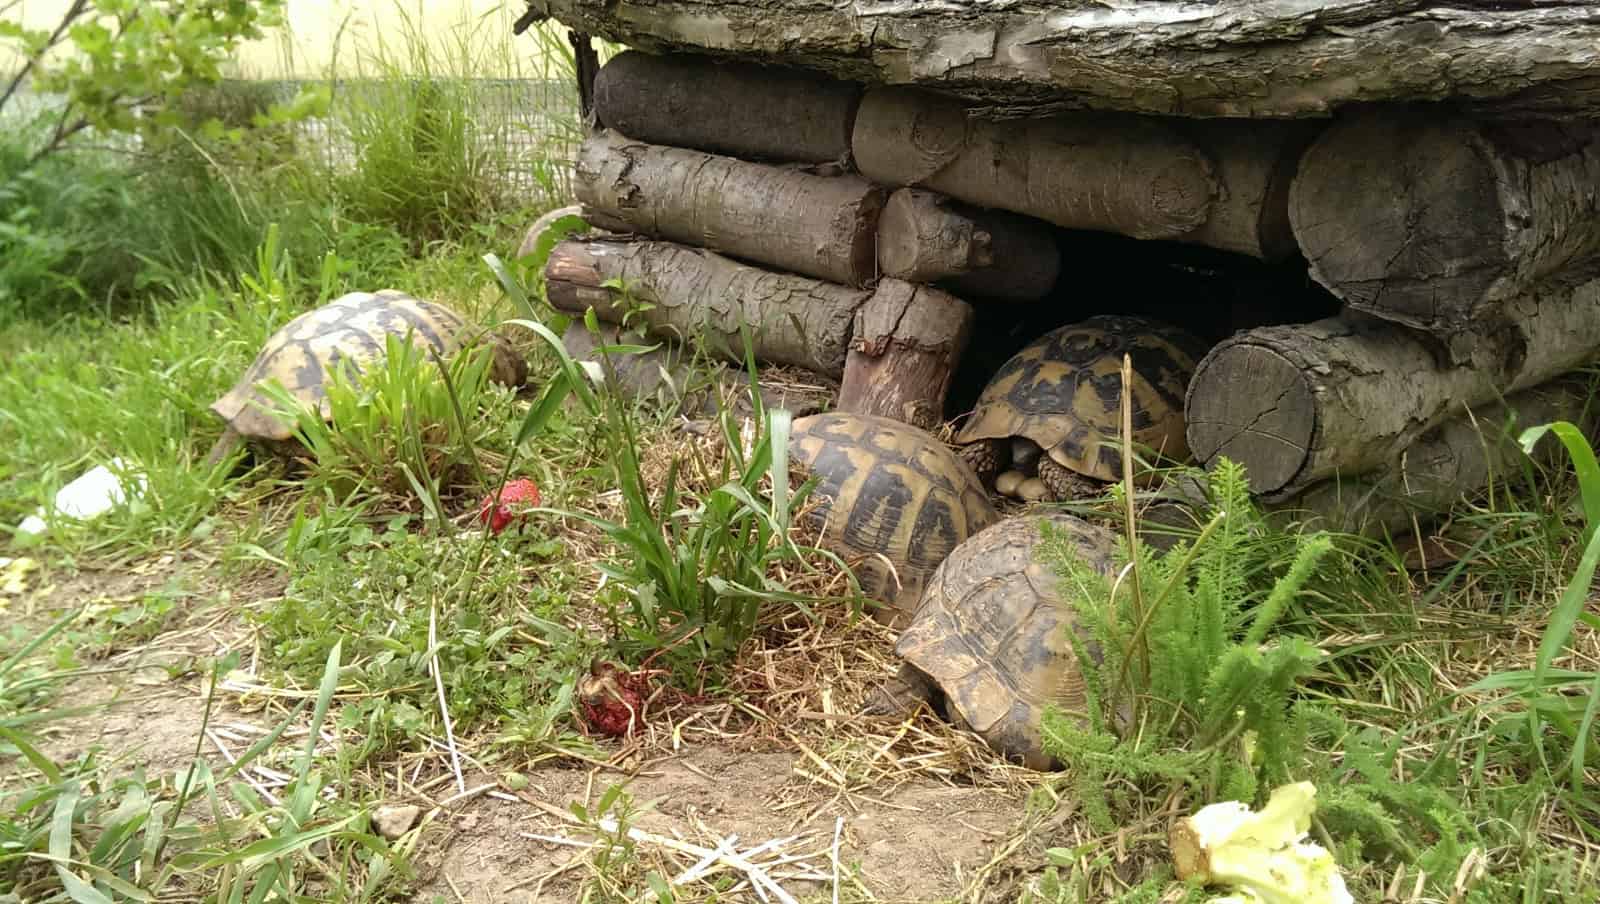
(1006, 484)
(394, 821)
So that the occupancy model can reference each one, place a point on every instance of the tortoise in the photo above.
(1055, 406)
(351, 328)
(892, 495)
(988, 644)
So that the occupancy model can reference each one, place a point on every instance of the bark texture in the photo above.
(1289, 58)
(1455, 460)
(903, 353)
(821, 226)
(1431, 221)
(670, 375)
(694, 293)
(925, 237)
(1112, 173)
(1343, 396)
(1255, 167)
(741, 109)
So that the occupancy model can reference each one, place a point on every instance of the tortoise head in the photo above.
(509, 367)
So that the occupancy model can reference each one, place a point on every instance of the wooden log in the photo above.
(821, 226)
(1454, 461)
(903, 353)
(669, 375)
(926, 237)
(1130, 175)
(1255, 167)
(1431, 220)
(740, 109)
(1263, 60)
(1342, 396)
(692, 293)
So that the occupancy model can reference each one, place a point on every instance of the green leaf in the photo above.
(1583, 462)
(39, 760)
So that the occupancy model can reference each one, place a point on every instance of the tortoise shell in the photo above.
(1064, 392)
(991, 632)
(351, 328)
(892, 490)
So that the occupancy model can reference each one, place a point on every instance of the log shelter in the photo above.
(1383, 217)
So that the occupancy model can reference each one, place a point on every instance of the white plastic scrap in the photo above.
(1262, 857)
(96, 492)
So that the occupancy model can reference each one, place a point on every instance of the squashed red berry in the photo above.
(612, 700)
(515, 498)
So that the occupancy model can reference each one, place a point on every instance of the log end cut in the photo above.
(1253, 406)
(1401, 217)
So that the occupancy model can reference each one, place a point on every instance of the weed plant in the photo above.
(409, 425)
(1209, 686)
(694, 569)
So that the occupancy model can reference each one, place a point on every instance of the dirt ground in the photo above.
(919, 838)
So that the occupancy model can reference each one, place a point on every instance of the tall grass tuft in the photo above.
(694, 568)
(409, 425)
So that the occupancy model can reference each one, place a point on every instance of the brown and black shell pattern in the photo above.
(1064, 392)
(991, 632)
(352, 328)
(889, 489)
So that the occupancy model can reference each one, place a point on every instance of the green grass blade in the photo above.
(1564, 619)
(16, 659)
(509, 283)
(330, 683)
(40, 762)
(260, 747)
(1580, 742)
(1583, 462)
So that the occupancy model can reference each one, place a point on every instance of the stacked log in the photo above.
(866, 231)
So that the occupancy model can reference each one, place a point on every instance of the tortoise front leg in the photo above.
(899, 695)
(988, 457)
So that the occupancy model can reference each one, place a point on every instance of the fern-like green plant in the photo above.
(1201, 688)
(1196, 694)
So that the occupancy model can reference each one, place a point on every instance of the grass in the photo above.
(384, 645)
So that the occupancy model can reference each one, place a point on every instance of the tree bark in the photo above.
(1104, 172)
(1458, 459)
(1255, 166)
(903, 352)
(586, 66)
(1220, 184)
(693, 293)
(668, 375)
(821, 226)
(926, 237)
(1430, 220)
(1342, 396)
(1229, 58)
(740, 109)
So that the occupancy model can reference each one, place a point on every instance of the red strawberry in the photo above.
(515, 496)
(612, 700)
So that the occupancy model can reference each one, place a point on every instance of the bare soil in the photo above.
(922, 840)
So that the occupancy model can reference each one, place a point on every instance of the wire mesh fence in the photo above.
(524, 132)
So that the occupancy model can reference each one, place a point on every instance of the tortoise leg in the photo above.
(1063, 482)
(900, 694)
(224, 446)
(987, 457)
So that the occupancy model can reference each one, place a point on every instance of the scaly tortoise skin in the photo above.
(889, 490)
(989, 640)
(351, 328)
(1064, 393)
